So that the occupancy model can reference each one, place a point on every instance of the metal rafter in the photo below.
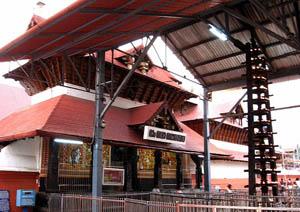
(101, 30)
(198, 76)
(255, 36)
(204, 14)
(238, 44)
(143, 13)
(217, 59)
(223, 71)
(238, 16)
(238, 82)
(76, 29)
(230, 32)
(297, 14)
(67, 14)
(96, 46)
(266, 12)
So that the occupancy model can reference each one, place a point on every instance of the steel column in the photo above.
(98, 140)
(207, 179)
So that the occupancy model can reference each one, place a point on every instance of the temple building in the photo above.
(146, 144)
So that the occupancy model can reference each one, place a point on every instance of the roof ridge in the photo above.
(58, 101)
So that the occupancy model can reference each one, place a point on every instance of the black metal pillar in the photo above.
(206, 142)
(157, 169)
(52, 174)
(198, 162)
(98, 140)
(179, 171)
(261, 153)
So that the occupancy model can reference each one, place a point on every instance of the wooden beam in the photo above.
(52, 175)
(155, 93)
(179, 172)
(76, 71)
(160, 96)
(53, 78)
(157, 180)
(58, 69)
(148, 100)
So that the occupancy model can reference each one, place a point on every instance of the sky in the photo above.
(16, 14)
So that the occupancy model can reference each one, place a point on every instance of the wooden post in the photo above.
(179, 171)
(198, 162)
(157, 169)
(130, 164)
(52, 175)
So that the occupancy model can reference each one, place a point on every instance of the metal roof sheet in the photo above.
(221, 64)
(89, 25)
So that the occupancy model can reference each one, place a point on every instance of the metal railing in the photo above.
(228, 199)
(71, 203)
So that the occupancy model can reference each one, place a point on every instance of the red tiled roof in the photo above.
(188, 113)
(155, 72)
(71, 116)
(35, 20)
(142, 114)
(195, 112)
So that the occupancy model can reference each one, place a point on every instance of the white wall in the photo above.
(229, 146)
(221, 169)
(59, 90)
(22, 155)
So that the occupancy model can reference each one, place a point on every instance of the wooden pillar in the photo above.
(198, 162)
(157, 169)
(179, 171)
(52, 175)
(130, 165)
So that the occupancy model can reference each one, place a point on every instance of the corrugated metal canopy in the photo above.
(89, 25)
(218, 64)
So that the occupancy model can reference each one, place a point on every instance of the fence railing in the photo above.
(225, 199)
(70, 203)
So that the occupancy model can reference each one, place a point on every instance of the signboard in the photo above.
(4, 201)
(113, 177)
(162, 135)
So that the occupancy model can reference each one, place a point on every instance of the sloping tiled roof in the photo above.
(74, 117)
(155, 72)
(35, 20)
(195, 112)
(140, 115)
